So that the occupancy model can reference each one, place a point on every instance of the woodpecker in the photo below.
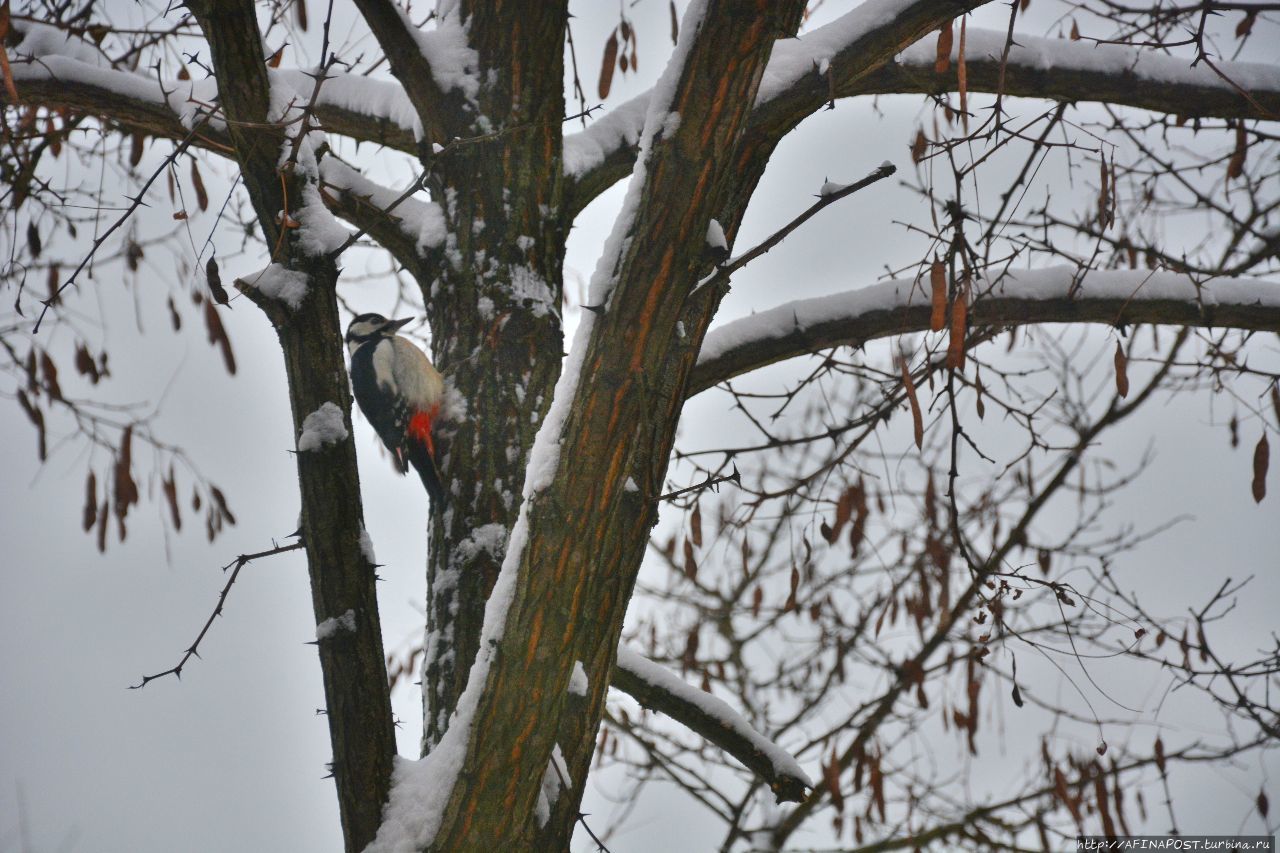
(400, 392)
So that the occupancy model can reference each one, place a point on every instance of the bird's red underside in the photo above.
(420, 429)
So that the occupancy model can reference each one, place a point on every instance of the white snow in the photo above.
(288, 286)
(554, 779)
(668, 682)
(1044, 53)
(830, 188)
(334, 624)
(1050, 283)
(368, 96)
(578, 682)
(715, 236)
(321, 427)
(533, 289)
(620, 127)
(487, 539)
(366, 547)
(454, 64)
(793, 59)
(423, 221)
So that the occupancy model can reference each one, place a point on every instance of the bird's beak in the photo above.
(393, 325)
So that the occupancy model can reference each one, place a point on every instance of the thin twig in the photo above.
(193, 650)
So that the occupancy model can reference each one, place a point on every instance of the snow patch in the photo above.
(287, 286)
(332, 625)
(715, 236)
(321, 427)
(578, 681)
(366, 547)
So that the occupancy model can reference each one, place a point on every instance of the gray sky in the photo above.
(233, 756)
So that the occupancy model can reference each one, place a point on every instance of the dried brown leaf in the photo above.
(1235, 166)
(938, 296)
(218, 336)
(831, 776)
(202, 196)
(918, 146)
(34, 246)
(1261, 460)
(695, 524)
(917, 417)
(90, 502)
(675, 23)
(50, 371)
(1245, 27)
(1122, 371)
(215, 282)
(607, 65)
(791, 597)
(53, 283)
(946, 39)
(169, 485)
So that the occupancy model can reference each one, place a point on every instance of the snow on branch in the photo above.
(1077, 70)
(1016, 297)
(420, 221)
(656, 687)
(53, 67)
(803, 72)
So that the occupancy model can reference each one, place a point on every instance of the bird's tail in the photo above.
(425, 465)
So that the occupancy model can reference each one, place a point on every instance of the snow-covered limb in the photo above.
(413, 56)
(654, 686)
(381, 211)
(1065, 70)
(1053, 295)
(1037, 67)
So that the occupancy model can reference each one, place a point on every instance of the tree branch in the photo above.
(901, 306)
(193, 650)
(654, 687)
(1061, 70)
(410, 66)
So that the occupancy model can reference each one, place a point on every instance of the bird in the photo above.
(400, 393)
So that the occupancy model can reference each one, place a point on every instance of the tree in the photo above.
(526, 597)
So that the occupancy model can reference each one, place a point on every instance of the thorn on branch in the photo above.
(710, 482)
(193, 650)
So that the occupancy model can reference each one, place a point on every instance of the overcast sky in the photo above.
(233, 756)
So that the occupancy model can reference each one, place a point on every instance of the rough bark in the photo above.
(357, 696)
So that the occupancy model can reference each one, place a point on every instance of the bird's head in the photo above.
(371, 327)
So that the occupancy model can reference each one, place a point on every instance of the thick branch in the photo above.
(1078, 71)
(1044, 68)
(705, 715)
(342, 579)
(1055, 295)
(410, 66)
